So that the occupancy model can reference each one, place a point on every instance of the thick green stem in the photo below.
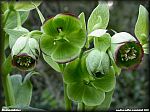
(81, 107)
(6, 82)
(8, 90)
(67, 100)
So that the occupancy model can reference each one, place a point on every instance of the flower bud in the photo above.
(25, 53)
(98, 63)
(128, 52)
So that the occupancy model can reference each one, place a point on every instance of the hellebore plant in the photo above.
(89, 74)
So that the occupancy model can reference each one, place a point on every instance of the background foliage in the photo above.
(132, 86)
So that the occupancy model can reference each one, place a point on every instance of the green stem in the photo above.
(39, 13)
(8, 90)
(81, 107)
(67, 100)
(6, 82)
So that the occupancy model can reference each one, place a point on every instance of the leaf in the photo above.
(4, 6)
(7, 65)
(39, 12)
(102, 43)
(75, 91)
(99, 18)
(13, 24)
(107, 82)
(92, 96)
(26, 5)
(142, 25)
(14, 34)
(82, 19)
(51, 62)
(22, 90)
(122, 37)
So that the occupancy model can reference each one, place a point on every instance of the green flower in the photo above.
(25, 53)
(128, 52)
(82, 87)
(63, 38)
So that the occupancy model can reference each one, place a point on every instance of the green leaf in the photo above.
(4, 6)
(26, 5)
(39, 12)
(13, 24)
(107, 82)
(146, 48)
(51, 62)
(92, 96)
(7, 65)
(82, 19)
(75, 91)
(142, 25)
(22, 90)
(102, 43)
(14, 34)
(99, 18)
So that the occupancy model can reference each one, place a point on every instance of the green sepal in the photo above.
(51, 62)
(99, 17)
(107, 82)
(102, 43)
(142, 25)
(14, 34)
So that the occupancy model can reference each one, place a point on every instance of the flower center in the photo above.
(129, 54)
(23, 62)
(61, 37)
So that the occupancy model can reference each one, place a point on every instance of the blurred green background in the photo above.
(132, 88)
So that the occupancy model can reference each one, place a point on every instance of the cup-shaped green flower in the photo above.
(128, 52)
(25, 53)
(82, 87)
(63, 38)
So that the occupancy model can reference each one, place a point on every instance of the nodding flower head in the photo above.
(128, 52)
(25, 53)
(129, 55)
